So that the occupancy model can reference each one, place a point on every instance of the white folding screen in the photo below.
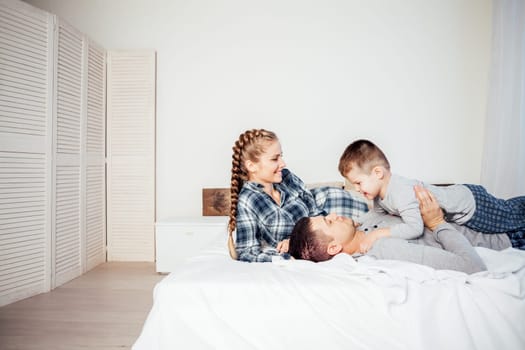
(26, 56)
(52, 152)
(131, 155)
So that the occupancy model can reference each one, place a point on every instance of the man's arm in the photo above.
(460, 257)
(431, 213)
(451, 240)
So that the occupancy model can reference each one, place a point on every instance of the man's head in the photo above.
(366, 167)
(319, 238)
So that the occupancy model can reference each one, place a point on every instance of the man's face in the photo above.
(340, 228)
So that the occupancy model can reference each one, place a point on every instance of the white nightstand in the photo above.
(180, 238)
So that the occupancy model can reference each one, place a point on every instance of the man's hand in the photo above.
(429, 207)
(282, 246)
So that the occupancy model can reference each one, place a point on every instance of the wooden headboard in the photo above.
(216, 201)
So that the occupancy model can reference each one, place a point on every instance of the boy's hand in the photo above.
(429, 207)
(367, 242)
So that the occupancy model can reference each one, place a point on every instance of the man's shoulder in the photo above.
(390, 247)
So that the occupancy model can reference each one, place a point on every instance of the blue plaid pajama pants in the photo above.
(495, 215)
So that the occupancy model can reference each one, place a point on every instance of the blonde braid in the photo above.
(247, 147)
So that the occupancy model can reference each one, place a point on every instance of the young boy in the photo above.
(367, 168)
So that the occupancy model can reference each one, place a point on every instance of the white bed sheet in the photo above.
(213, 302)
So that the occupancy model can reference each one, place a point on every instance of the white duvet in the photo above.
(213, 302)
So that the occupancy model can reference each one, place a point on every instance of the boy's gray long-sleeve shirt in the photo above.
(457, 202)
(450, 247)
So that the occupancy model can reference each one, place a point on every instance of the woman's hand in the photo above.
(429, 207)
(282, 246)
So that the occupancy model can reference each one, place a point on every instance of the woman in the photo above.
(266, 199)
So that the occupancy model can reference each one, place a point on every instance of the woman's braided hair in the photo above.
(250, 145)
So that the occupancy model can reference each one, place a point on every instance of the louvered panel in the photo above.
(24, 43)
(96, 103)
(95, 216)
(69, 89)
(129, 102)
(96, 156)
(67, 224)
(131, 151)
(23, 222)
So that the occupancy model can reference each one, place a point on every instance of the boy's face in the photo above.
(369, 185)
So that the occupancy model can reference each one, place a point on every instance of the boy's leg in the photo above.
(495, 215)
(517, 239)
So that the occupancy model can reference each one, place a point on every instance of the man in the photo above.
(443, 245)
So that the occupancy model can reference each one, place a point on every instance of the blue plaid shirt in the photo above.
(339, 201)
(262, 223)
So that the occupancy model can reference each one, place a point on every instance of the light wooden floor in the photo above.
(102, 309)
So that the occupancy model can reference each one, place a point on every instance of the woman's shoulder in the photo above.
(250, 189)
(290, 179)
(249, 197)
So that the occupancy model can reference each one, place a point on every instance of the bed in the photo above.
(213, 302)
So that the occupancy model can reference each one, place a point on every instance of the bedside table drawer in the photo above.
(178, 239)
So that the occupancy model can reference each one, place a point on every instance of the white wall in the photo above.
(411, 75)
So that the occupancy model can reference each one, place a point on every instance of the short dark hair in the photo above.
(308, 244)
(362, 154)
